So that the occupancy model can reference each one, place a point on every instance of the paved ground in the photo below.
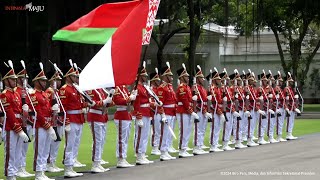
(298, 159)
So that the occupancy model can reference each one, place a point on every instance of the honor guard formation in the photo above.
(238, 105)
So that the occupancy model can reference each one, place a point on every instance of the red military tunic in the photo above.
(216, 93)
(19, 90)
(153, 107)
(229, 93)
(263, 91)
(141, 104)
(202, 95)
(97, 112)
(184, 97)
(254, 103)
(167, 96)
(42, 105)
(121, 100)
(72, 103)
(240, 91)
(12, 105)
(279, 91)
(288, 91)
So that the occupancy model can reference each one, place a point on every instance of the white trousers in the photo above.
(290, 121)
(72, 144)
(156, 128)
(142, 134)
(123, 128)
(262, 124)
(280, 122)
(25, 146)
(12, 152)
(252, 123)
(238, 126)
(54, 147)
(165, 135)
(270, 126)
(215, 130)
(41, 149)
(227, 127)
(98, 131)
(185, 126)
(200, 130)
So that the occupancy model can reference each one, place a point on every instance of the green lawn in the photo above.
(302, 127)
(311, 108)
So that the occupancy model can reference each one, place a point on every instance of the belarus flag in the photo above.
(117, 61)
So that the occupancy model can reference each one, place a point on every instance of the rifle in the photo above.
(25, 115)
(194, 93)
(299, 94)
(236, 100)
(209, 93)
(56, 100)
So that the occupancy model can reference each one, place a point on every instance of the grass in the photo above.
(311, 108)
(302, 127)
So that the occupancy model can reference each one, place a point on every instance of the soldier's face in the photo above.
(200, 80)
(12, 82)
(218, 81)
(280, 83)
(264, 82)
(58, 83)
(169, 78)
(20, 81)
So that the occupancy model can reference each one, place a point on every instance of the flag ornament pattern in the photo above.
(153, 8)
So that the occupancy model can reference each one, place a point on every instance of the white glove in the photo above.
(270, 96)
(163, 118)
(52, 134)
(195, 98)
(92, 104)
(297, 110)
(55, 107)
(287, 110)
(208, 115)
(25, 107)
(296, 96)
(236, 96)
(194, 115)
(247, 97)
(67, 128)
(277, 96)
(107, 101)
(225, 98)
(222, 118)
(159, 104)
(132, 97)
(287, 97)
(247, 113)
(235, 114)
(209, 97)
(261, 112)
(23, 136)
(139, 122)
(134, 92)
(271, 111)
(261, 98)
(85, 110)
(278, 111)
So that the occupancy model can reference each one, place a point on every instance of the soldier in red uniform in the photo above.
(28, 124)
(228, 110)
(254, 107)
(142, 113)
(155, 82)
(185, 113)
(201, 102)
(167, 111)
(13, 133)
(73, 104)
(291, 106)
(273, 105)
(281, 107)
(97, 120)
(239, 106)
(216, 109)
(122, 99)
(262, 94)
(44, 131)
(55, 84)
